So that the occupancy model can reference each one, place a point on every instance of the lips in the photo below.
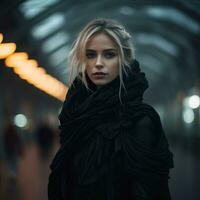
(99, 75)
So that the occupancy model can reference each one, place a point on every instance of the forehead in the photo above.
(101, 41)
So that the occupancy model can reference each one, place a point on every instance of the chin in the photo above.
(100, 83)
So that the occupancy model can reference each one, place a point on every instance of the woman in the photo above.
(112, 144)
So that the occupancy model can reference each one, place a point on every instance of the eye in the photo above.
(110, 54)
(90, 55)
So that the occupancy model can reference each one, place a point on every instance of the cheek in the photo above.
(88, 68)
(115, 68)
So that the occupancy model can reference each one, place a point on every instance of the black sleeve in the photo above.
(149, 188)
(145, 132)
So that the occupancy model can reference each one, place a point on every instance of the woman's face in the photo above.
(102, 59)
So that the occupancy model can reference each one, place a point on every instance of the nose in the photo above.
(99, 62)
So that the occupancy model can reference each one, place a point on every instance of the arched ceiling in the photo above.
(166, 36)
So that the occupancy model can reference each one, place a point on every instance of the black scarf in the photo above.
(101, 111)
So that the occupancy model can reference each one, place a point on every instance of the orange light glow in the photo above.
(6, 49)
(16, 59)
(1, 37)
(41, 70)
(28, 70)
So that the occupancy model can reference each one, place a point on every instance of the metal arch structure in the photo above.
(135, 17)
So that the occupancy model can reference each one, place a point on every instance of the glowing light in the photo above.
(20, 120)
(28, 70)
(188, 115)
(16, 59)
(31, 8)
(6, 49)
(194, 101)
(55, 41)
(41, 70)
(1, 37)
(48, 26)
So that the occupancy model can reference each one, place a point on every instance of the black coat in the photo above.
(111, 149)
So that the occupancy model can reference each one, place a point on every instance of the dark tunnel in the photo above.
(35, 39)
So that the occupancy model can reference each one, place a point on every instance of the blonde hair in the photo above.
(116, 32)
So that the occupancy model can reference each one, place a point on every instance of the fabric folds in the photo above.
(99, 140)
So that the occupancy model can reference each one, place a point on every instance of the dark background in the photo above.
(166, 36)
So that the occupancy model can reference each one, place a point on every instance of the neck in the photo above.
(98, 86)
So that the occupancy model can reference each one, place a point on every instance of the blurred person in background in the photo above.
(113, 145)
(14, 149)
(45, 139)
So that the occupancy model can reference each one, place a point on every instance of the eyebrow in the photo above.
(103, 50)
